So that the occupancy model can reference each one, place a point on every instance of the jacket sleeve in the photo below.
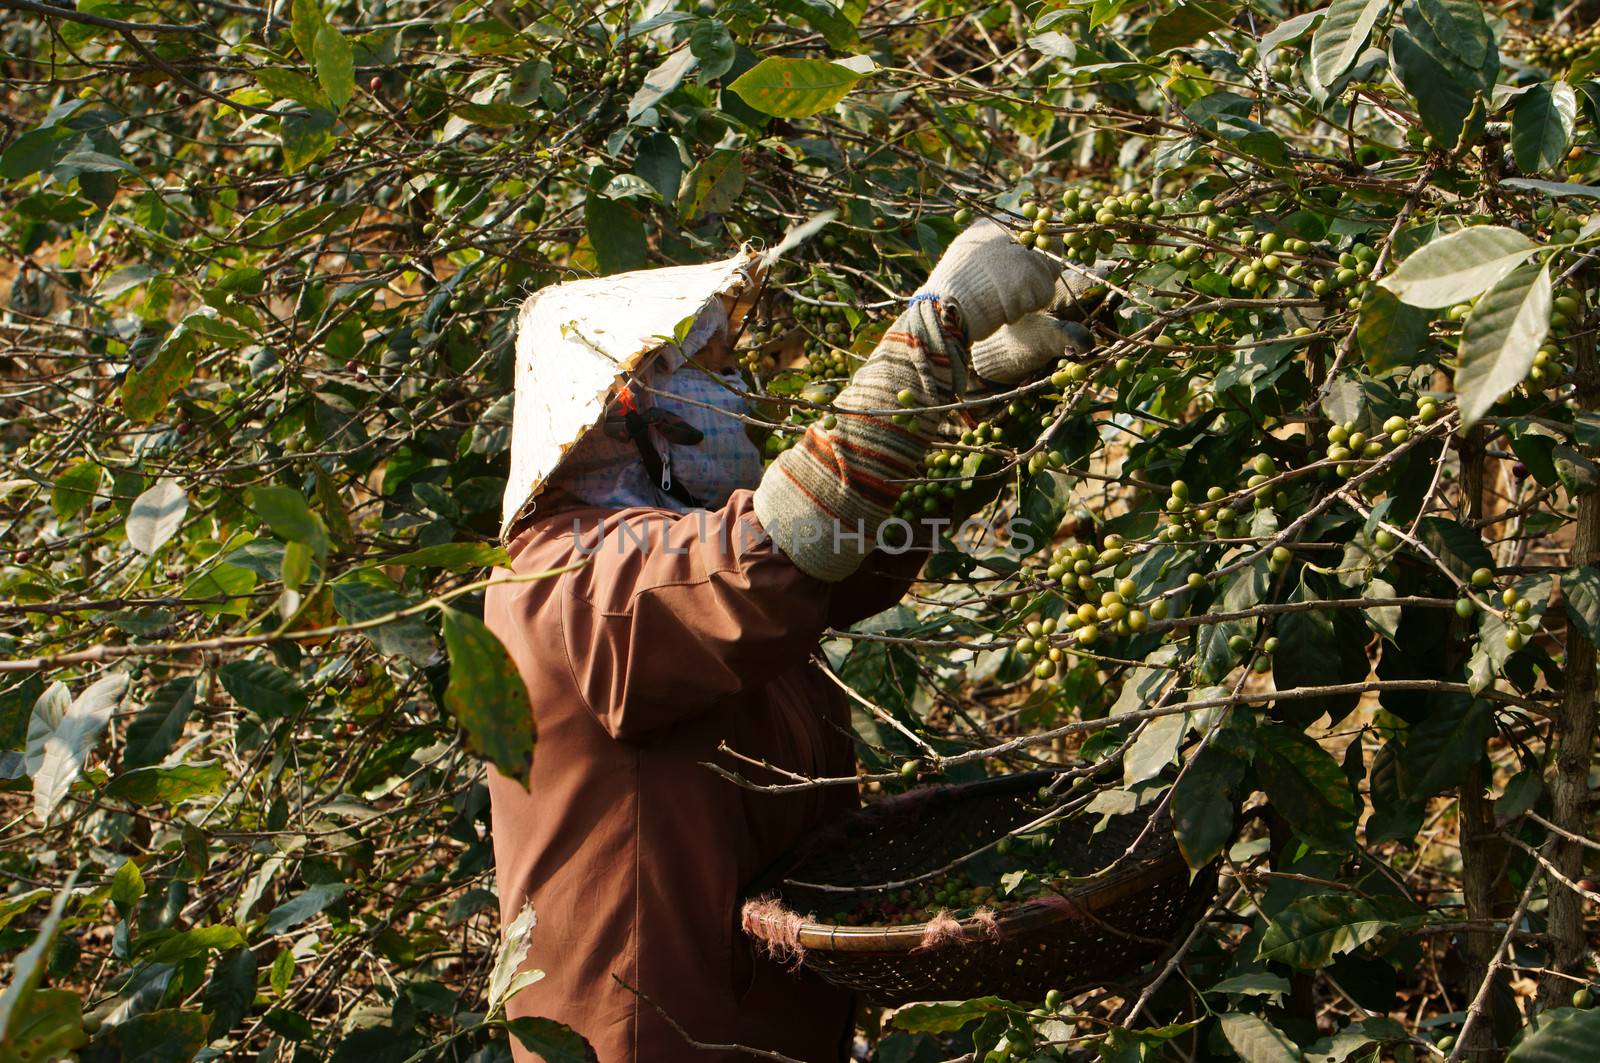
(674, 612)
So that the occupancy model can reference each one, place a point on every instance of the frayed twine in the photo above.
(777, 928)
(987, 922)
(946, 929)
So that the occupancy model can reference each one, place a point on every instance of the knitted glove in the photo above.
(1018, 351)
(992, 279)
(824, 500)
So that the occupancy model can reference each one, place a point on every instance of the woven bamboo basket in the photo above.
(1100, 931)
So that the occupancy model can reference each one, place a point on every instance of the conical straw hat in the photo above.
(577, 341)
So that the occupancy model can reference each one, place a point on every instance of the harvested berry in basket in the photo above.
(952, 892)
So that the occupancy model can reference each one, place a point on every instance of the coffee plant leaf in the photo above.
(1257, 1040)
(1502, 335)
(1342, 36)
(156, 729)
(168, 785)
(335, 63)
(486, 695)
(155, 516)
(1312, 930)
(553, 1041)
(1565, 1035)
(1457, 267)
(60, 739)
(262, 687)
(1541, 126)
(794, 88)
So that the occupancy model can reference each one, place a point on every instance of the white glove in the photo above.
(1018, 351)
(992, 279)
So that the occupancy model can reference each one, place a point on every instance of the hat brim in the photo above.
(577, 341)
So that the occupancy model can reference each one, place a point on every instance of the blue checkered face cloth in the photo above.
(725, 459)
(604, 470)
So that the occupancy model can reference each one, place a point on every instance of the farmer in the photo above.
(702, 586)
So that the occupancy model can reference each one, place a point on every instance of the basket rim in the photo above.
(1003, 920)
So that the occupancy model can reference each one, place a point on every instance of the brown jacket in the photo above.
(682, 632)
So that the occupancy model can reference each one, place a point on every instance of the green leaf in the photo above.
(1553, 189)
(74, 489)
(1390, 332)
(159, 725)
(1257, 1040)
(1043, 502)
(306, 22)
(827, 19)
(127, 886)
(1581, 588)
(453, 556)
(1203, 805)
(46, 1025)
(282, 972)
(659, 162)
(177, 946)
(487, 696)
(1157, 746)
(1306, 785)
(15, 904)
(713, 45)
(297, 565)
(407, 637)
(1541, 126)
(713, 186)
(230, 992)
(1342, 36)
(946, 1017)
(496, 114)
(1312, 930)
(662, 81)
(1501, 337)
(291, 85)
(146, 392)
(794, 88)
(33, 151)
(1254, 984)
(550, 1040)
(1326, 648)
(1444, 745)
(27, 969)
(205, 323)
(154, 1037)
(307, 136)
(1452, 269)
(155, 516)
(616, 232)
(336, 65)
(290, 516)
(222, 581)
(263, 688)
(1187, 23)
(170, 785)
(61, 736)
(1565, 1035)
(1459, 547)
(303, 908)
(1445, 56)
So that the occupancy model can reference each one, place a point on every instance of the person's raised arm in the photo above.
(676, 611)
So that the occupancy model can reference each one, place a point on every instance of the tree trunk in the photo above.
(1574, 737)
(1482, 858)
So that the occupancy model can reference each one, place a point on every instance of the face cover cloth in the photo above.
(724, 460)
(695, 433)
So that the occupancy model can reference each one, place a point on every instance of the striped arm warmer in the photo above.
(824, 500)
